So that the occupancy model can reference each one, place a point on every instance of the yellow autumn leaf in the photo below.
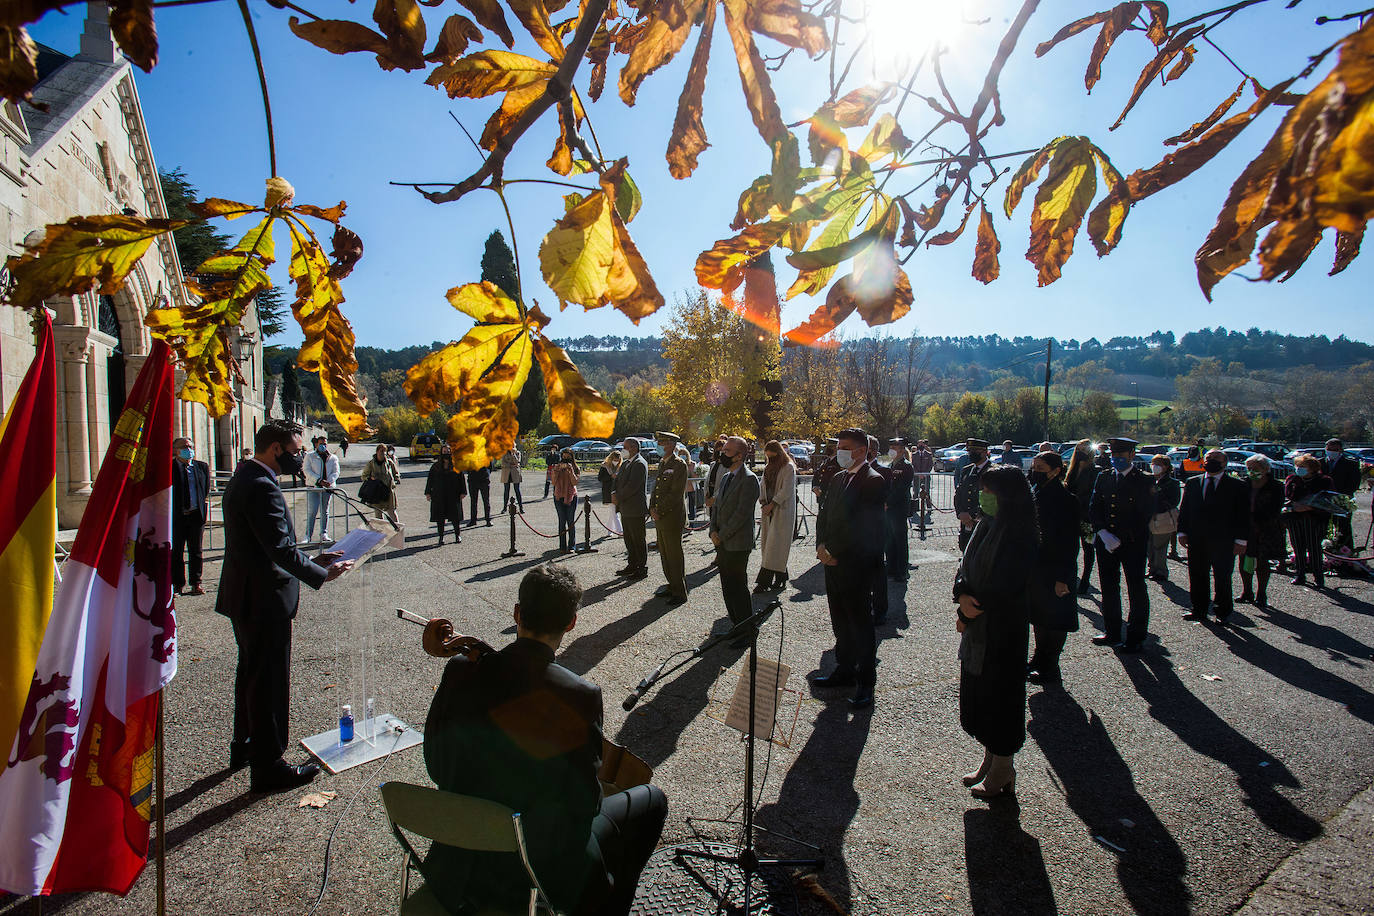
(489, 72)
(486, 302)
(576, 408)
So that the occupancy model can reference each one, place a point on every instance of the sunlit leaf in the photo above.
(485, 73)
(1060, 205)
(812, 280)
(485, 302)
(1201, 127)
(985, 264)
(688, 139)
(1167, 53)
(885, 137)
(84, 253)
(513, 107)
(1026, 175)
(453, 39)
(1185, 60)
(490, 16)
(663, 35)
(827, 317)
(1347, 249)
(576, 408)
(400, 46)
(131, 22)
(589, 259)
(951, 236)
(1109, 216)
(218, 206)
(534, 16)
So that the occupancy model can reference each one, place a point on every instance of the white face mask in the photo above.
(844, 458)
(1157, 470)
(892, 453)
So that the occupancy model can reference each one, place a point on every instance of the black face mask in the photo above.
(1214, 467)
(289, 462)
(1037, 477)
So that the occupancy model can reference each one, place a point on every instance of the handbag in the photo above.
(374, 491)
(1164, 522)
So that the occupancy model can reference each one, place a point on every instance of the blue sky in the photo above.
(345, 128)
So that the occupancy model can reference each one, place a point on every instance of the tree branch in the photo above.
(559, 87)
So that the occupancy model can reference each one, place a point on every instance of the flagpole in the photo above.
(158, 761)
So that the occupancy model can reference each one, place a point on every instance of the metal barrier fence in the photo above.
(341, 512)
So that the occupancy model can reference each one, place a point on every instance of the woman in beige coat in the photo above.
(778, 496)
(384, 470)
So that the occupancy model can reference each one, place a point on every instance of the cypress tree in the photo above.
(498, 268)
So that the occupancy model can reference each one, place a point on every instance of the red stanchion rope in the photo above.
(521, 516)
(604, 525)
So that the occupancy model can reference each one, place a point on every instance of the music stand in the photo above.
(745, 858)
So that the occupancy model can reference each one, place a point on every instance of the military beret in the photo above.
(668, 437)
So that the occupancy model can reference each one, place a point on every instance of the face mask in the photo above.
(323, 449)
(1037, 477)
(892, 454)
(1333, 457)
(1214, 467)
(1301, 472)
(844, 458)
(1157, 470)
(987, 503)
(1122, 464)
(977, 457)
(1255, 473)
(184, 454)
(289, 463)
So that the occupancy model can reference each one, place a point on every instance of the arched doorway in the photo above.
(108, 323)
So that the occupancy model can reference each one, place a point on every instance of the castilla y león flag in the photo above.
(76, 789)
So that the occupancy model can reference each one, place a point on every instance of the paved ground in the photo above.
(1216, 764)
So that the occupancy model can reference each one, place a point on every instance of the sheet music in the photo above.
(772, 678)
(359, 543)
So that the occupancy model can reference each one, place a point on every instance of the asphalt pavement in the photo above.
(1221, 770)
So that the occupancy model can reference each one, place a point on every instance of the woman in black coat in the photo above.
(1266, 540)
(445, 489)
(992, 589)
(1306, 524)
(1080, 479)
(1054, 608)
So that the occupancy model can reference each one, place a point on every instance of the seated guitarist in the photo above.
(516, 728)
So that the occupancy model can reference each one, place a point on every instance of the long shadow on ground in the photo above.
(1098, 786)
(1006, 869)
(1174, 706)
(818, 799)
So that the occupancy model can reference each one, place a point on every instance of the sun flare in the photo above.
(900, 30)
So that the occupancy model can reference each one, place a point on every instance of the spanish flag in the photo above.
(28, 527)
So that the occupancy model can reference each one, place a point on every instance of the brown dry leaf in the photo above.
(347, 251)
(401, 46)
(838, 306)
(1185, 60)
(1026, 175)
(131, 21)
(951, 236)
(1347, 249)
(688, 139)
(18, 64)
(488, 72)
(490, 16)
(534, 16)
(927, 218)
(662, 36)
(453, 39)
(1201, 127)
(576, 408)
(513, 107)
(598, 55)
(1166, 54)
(316, 799)
(985, 264)
(332, 214)
(1108, 218)
(716, 266)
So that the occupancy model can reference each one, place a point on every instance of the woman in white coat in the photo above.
(778, 496)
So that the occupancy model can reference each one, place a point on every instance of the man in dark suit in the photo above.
(732, 531)
(878, 586)
(849, 543)
(1344, 472)
(1213, 523)
(190, 509)
(967, 487)
(259, 591)
(633, 505)
(479, 486)
(1120, 509)
(516, 728)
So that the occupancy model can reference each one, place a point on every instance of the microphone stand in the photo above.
(747, 858)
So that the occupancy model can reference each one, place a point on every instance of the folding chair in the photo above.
(461, 821)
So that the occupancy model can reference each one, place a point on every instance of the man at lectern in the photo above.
(514, 727)
(259, 590)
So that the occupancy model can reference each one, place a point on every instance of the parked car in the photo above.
(425, 445)
(550, 446)
(648, 448)
(591, 450)
(1236, 458)
(801, 455)
(950, 459)
(1022, 456)
(1271, 450)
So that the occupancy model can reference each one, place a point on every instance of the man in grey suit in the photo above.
(732, 530)
(630, 501)
(259, 591)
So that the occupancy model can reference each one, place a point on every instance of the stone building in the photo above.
(87, 154)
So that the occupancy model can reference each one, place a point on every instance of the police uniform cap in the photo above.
(1122, 444)
(898, 441)
(976, 443)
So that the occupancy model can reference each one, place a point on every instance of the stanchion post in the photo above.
(160, 774)
(587, 527)
(510, 510)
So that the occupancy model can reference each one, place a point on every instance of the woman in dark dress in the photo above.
(1306, 525)
(1265, 542)
(1054, 607)
(1080, 479)
(992, 590)
(445, 489)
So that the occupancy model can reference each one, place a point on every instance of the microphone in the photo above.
(633, 699)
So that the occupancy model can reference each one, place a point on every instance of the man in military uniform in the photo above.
(670, 518)
(966, 490)
(1120, 510)
(877, 593)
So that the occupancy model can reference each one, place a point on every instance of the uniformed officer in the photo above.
(1120, 510)
(667, 510)
(967, 489)
(898, 509)
(825, 470)
(878, 585)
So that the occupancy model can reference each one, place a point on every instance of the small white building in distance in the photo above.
(89, 154)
